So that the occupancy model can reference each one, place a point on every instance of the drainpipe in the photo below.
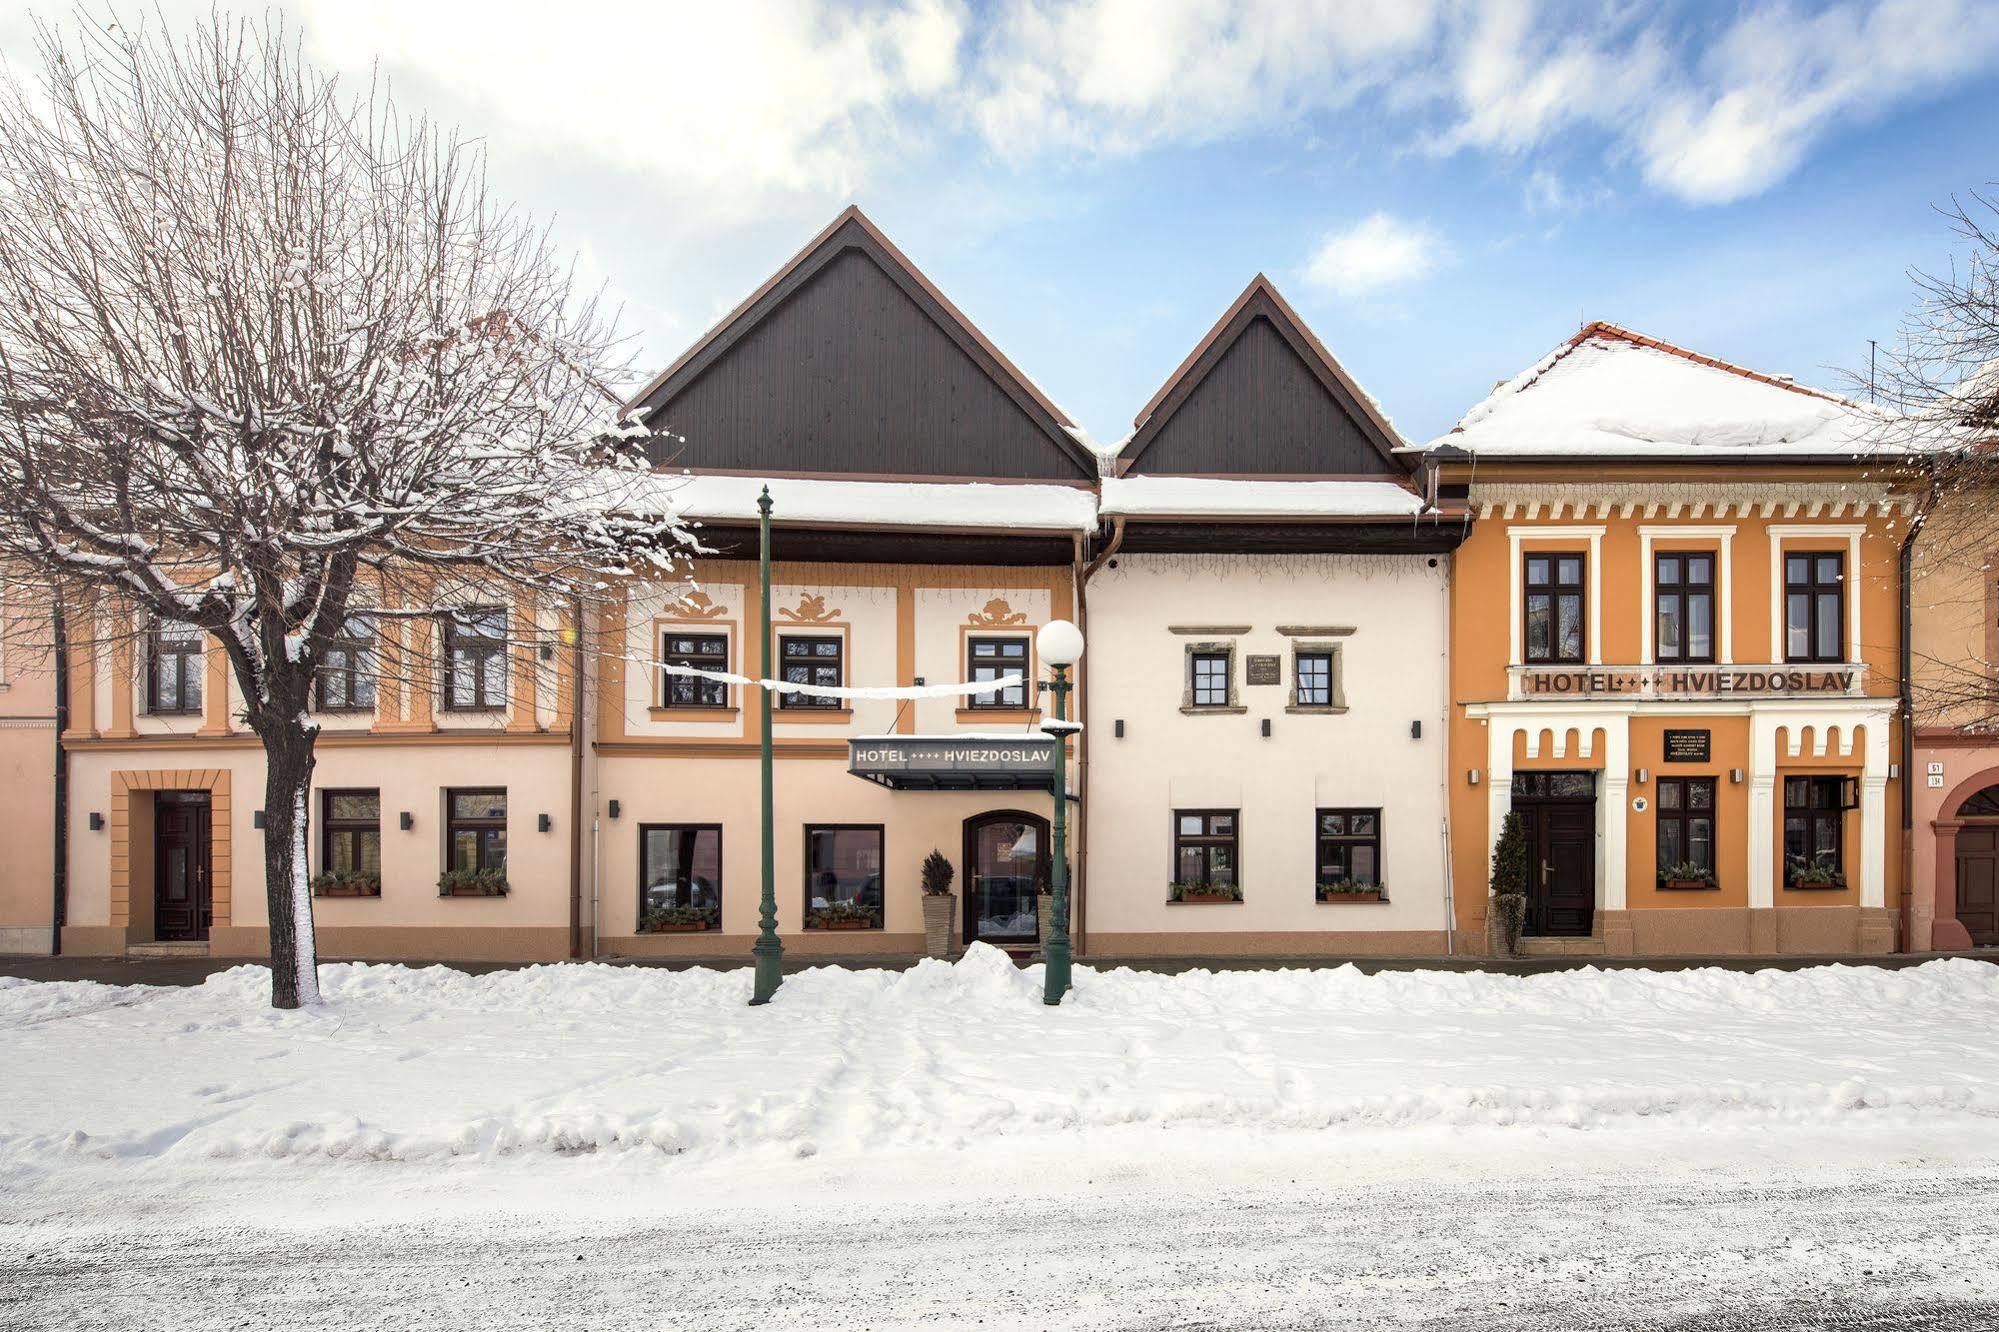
(59, 902)
(1906, 655)
(1078, 927)
(576, 740)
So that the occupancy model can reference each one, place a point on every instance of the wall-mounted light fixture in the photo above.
(615, 811)
(1894, 771)
(1266, 728)
(96, 821)
(1117, 728)
(542, 822)
(1472, 777)
(1735, 776)
(1643, 776)
(257, 819)
(405, 820)
(1415, 730)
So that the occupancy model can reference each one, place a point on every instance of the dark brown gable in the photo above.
(850, 362)
(1261, 397)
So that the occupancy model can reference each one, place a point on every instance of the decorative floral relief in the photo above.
(697, 606)
(996, 614)
(811, 610)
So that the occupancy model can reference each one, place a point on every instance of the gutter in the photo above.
(1905, 653)
(1078, 931)
(59, 880)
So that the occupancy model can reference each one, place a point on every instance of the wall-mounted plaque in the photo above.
(1689, 746)
(1263, 670)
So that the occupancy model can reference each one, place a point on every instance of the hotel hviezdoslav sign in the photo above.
(1683, 681)
(962, 762)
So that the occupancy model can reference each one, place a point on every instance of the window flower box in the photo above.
(335, 884)
(472, 883)
(1686, 877)
(1193, 894)
(843, 916)
(1825, 882)
(679, 920)
(1349, 890)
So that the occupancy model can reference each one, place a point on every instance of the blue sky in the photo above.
(1442, 188)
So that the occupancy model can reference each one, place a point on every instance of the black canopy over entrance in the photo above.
(954, 762)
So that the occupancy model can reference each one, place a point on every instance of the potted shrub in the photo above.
(1205, 892)
(1686, 876)
(843, 916)
(1509, 888)
(937, 904)
(472, 883)
(1351, 890)
(1802, 875)
(679, 920)
(347, 883)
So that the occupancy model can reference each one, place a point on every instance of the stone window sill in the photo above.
(1233, 710)
(1316, 709)
(692, 714)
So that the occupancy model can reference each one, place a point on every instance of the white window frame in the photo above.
(1803, 533)
(1517, 539)
(1723, 592)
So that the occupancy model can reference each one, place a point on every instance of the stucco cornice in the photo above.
(1652, 500)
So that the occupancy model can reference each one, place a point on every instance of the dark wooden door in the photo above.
(1006, 866)
(181, 903)
(1561, 867)
(1978, 883)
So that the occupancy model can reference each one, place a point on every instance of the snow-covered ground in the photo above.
(875, 1148)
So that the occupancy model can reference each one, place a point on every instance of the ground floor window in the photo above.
(1815, 829)
(1349, 843)
(680, 876)
(1686, 830)
(476, 829)
(1206, 847)
(350, 848)
(843, 876)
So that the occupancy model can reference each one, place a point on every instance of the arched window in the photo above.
(1981, 804)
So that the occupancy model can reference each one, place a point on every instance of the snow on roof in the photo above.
(1210, 497)
(915, 504)
(1610, 393)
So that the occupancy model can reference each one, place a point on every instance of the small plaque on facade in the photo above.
(1689, 746)
(1263, 670)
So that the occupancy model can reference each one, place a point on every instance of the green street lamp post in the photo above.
(769, 949)
(1060, 644)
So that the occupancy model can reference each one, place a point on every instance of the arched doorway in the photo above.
(1977, 866)
(1006, 866)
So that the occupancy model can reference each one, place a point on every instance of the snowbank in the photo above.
(431, 1064)
(1212, 497)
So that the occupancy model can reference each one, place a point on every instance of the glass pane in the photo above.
(1829, 568)
(1794, 840)
(682, 867)
(1333, 825)
(1797, 792)
(1797, 625)
(1669, 844)
(1700, 569)
(1825, 839)
(1669, 569)
(846, 867)
(1569, 569)
(1221, 825)
(1006, 861)
(464, 679)
(1014, 649)
(1188, 863)
(465, 849)
(1669, 625)
(495, 840)
(1570, 609)
(1571, 785)
(1829, 627)
(1700, 795)
(1700, 625)
(479, 804)
(826, 647)
(1221, 864)
(1363, 824)
(176, 874)
(1190, 825)
(1540, 642)
(1669, 795)
(493, 677)
(1700, 842)
(1362, 866)
(1797, 569)
(190, 685)
(1333, 860)
(354, 805)
(1537, 571)
(166, 694)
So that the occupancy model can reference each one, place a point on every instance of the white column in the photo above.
(1498, 781)
(1762, 809)
(1874, 814)
(1614, 810)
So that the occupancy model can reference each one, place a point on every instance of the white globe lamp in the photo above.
(1060, 643)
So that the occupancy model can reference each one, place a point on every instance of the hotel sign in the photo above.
(1689, 682)
(954, 763)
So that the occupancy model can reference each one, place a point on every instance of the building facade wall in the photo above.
(27, 774)
(1386, 616)
(1608, 720)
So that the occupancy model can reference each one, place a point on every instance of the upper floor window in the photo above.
(475, 655)
(173, 668)
(810, 659)
(705, 652)
(346, 681)
(1814, 606)
(1211, 679)
(1313, 676)
(1553, 606)
(1683, 605)
(991, 659)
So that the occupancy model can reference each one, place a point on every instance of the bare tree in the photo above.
(1939, 383)
(268, 356)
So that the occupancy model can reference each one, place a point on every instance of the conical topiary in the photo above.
(1509, 882)
(937, 874)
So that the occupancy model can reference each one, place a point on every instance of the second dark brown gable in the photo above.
(1261, 397)
(849, 363)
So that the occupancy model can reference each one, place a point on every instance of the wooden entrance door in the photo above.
(181, 903)
(1978, 882)
(1006, 866)
(1558, 813)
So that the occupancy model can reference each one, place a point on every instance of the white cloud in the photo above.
(1375, 253)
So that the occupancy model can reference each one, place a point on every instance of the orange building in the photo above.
(1674, 637)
